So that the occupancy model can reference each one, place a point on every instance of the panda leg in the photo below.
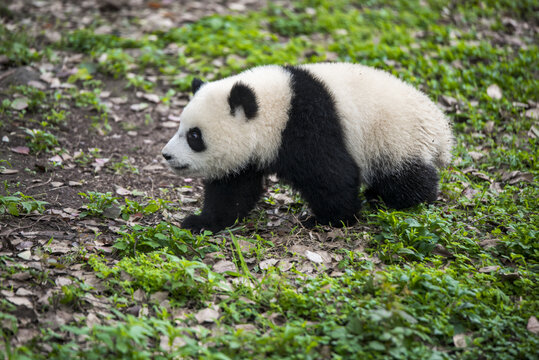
(334, 201)
(415, 183)
(226, 200)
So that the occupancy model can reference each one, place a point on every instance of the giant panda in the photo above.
(324, 128)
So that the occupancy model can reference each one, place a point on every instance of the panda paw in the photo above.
(194, 223)
(198, 223)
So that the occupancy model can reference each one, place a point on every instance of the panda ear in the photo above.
(242, 95)
(196, 84)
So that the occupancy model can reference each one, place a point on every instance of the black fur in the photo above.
(195, 140)
(196, 84)
(226, 200)
(242, 95)
(313, 157)
(414, 183)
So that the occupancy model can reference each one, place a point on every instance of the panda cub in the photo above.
(322, 128)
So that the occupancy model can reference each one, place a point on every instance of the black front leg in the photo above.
(226, 200)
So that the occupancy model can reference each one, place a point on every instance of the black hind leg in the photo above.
(414, 183)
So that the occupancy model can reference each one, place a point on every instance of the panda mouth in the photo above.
(182, 167)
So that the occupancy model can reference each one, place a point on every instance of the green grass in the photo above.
(425, 274)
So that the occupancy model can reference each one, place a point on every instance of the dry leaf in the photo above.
(207, 315)
(516, 176)
(8, 171)
(488, 243)
(139, 107)
(532, 113)
(488, 269)
(169, 124)
(533, 132)
(19, 103)
(24, 150)
(150, 97)
(494, 92)
(533, 325)
(475, 155)
(26, 255)
(265, 264)
(224, 265)
(19, 301)
(122, 191)
(459, 340)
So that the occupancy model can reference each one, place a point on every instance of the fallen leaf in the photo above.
(488, 269)
(459, 340)
(56, 159)
(169, 124)
(19, 301)
(8, 171)
(488, 243)
(139, 107)
(475, 155)
(494, 92)
(122, 191)
(174, 118)
(516, 176)
(24, 150)
(63, 281)
(177, 343)
(19, 103)
(56, 184)
(207, 315)
(533, 132)
(265, 264)
(469, 193)
(150, 97)
(224, 265)
(489, 127)
(159, 296)
(314, 257)
(99, 163)
(26, 255)
(532, 113)
(245, 327)
(533, 325)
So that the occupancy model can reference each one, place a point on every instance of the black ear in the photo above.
(196, 84)
(242, 95)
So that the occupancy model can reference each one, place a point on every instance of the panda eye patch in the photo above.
(194, 139)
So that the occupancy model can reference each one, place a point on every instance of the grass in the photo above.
(465, 268)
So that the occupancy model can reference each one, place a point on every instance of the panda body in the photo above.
(324, 128)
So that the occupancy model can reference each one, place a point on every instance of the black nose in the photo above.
(167, 156)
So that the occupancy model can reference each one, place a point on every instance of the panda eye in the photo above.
(194, 139)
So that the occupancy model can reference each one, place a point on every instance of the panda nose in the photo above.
(167, 156)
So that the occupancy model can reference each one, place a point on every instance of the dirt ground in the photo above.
(51, 242)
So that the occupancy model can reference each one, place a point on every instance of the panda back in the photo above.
(385, 121)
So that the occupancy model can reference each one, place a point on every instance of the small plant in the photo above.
(98, 203)
(41, 140)
(57, 117)
(18, 204)
(149, 238)
(124, 166)
(134, 207)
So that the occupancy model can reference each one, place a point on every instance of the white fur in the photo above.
(233, 141)
(383, 119)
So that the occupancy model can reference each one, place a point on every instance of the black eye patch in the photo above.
(194, 139)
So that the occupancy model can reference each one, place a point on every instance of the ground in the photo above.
(93, 260)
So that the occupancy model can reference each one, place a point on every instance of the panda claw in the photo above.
(194, 223)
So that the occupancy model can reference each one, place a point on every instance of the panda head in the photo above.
(217, 133)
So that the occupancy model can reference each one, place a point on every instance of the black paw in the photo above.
(194, 223)
(199, 223)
